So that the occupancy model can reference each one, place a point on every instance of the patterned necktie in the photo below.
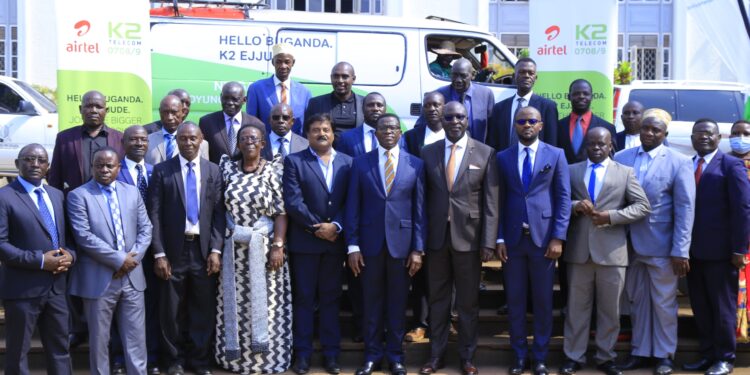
(592, 182)
(114, 211)
(577, 135)
(513, 135)
(141, 183)
(450, 169)
(191, 195)
(699, 171)
(526, 172)
(284, 95)
(373, 140)
(389, 173)
(282, 148)
(232, 137)
(49, 223)
(169, 140)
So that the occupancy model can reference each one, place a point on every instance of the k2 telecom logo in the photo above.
(591, 39)
(552, 33)
(124, 38)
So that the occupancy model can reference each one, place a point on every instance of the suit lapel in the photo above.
(465, 161)
(656, 165)
(312, 162)
(420, 141)
(713, 164)
(26, 199)
(403, 163)
(271, 92)
(375, 170)
(122, 201)
(177, 176)
(222, 124)
(101, 201)
(610, 175)
(439, 156)
(78, 154)
(126, 174)
(516, 176)
(359, 142)
(204, 180)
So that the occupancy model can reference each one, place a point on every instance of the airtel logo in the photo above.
(552, 32)
(83, 27)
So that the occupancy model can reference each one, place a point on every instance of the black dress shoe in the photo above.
(634, 362)
(118, 368)
(609, 368)
(664, 367)
(517, 367)
(540, 368)
(332, 366)
(468, 368)
(301, 366)
(720, 368)
(203, 371)
(398, 369)
(569, 367)
(502, 310)
(368, 368)
(432, 366)
(76, 339)
(175, 369)
(702, 365)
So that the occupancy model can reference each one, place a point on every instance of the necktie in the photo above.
(699, 170)
(282, 148)
(389, 173)
(526, 172)
(450, 169)
(373, 140)
(513, 135)
(114, 211)
(191, 195)
(592, 182)
(49, 223)
(232, 137)
(169, 140)
(284, 97)
(141, 183)
(577, 135)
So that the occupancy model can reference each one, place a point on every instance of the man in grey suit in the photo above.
(660, 243)
(281, 139)
(162, 144)
(112, 232)
(605, 196)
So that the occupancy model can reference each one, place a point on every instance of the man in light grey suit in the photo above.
(660, 243)
(281, 139)
(112, 233)
(162, 144)
(605, 195)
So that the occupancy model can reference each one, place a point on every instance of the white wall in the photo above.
(37, 29)
(472, 12)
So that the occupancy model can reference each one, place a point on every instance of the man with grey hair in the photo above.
(477, 99)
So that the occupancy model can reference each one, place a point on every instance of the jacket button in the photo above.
(329, 203)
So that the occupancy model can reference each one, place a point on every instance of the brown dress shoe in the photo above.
(468, 368)
(431, 367)
(416, 334)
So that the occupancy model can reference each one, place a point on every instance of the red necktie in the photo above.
(699, 171)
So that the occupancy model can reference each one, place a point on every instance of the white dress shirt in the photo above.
(460, 151)
(643, 161)
(277, 85)
(191, 228)
(274, 138)
(632, 140)
(236, 122)
(367, 138)
(600, 172)
(431, 137)
(134, 172)
(707, 159)
(522, 156)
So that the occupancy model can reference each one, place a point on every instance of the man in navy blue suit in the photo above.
(534, 216)
(429, 126)
(315, 184)
(385, 234)
(477, 99)
(34, 260)
(572, 128)
(720, 239)
(501, 133)
(361, 139)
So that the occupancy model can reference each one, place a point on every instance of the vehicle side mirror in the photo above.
(27, 108)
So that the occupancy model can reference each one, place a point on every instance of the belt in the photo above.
(525, 230)
(191, 237)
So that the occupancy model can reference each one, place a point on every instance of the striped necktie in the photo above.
(389, 172)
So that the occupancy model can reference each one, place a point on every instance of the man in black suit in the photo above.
(501, 133)
(220, 128)
(632, 113)
(572, 128)
(281, 139)
(187, 211)
(34, 262)
(184, 98)
(429, 127)
(343, 105)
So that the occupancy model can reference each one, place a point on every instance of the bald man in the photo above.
(477, 99)
(281, 140)
(342, 104)
(162, 145)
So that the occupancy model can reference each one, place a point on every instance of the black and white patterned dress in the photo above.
(249, 196)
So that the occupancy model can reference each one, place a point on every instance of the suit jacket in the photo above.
(153, 127)
(547, 202)
(482, 101)
(670, 188)
(66, 171)
(413, 139)
(297, 144)
(125, 176)
(324, 103)
(472, 204)
(623, 198)
(99, 259)
(23, 241)
(498, 132)
(261, 97)
(308, 202)
(157, 150)
(374, 219)
(214, 130)
(563, 137)
(167, 210)
(722, 210)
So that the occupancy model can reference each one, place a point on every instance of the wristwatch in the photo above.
(279, 244)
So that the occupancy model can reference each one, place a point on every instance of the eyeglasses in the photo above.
(281, 117)
(386, 128)
(458, 117)
(249, 139)
(530, 121)
(32, 159)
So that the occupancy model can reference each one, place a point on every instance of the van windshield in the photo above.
(47, 104)
(488, 61)
(690, 105)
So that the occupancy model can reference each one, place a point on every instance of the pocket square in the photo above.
(472, 166)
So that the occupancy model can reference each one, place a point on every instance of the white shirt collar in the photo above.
(707, 158)
(131, 164)
(604, 163)
(277, 81)
(534, 146)
(237, 117)
(394, 151)
(653, 153)
(461, 143)
(366, 129)
(526, 97)
(184, 161)
(275, 137)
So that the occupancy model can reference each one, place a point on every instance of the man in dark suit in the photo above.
(187, 211)
(572, 128)
(34, 260)
(534, 216)
(315, 185)
(184, 109)
(461, 204)
(477, 99)
(281, 139)
(385, 233)
(501, 133)
(632, 114)
(136, 172)
(429, 127)
(361, 139)
(343, 105)
(264, 94)
(220, 128)
(720, 240)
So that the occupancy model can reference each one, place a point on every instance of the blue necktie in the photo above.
(114, 211)
(191, 192)
(49, 223)
(373, 140)
(282, 149)
(577, 135)
(592, 182)
(526, 172)
(141, 183)
(169, 139)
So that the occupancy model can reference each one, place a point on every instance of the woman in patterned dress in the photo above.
(254, 320)
(739, 140)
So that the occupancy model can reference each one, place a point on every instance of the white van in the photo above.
(389, 55)
(26, 116)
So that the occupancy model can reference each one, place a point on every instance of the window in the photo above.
(666, 57)
(643, 56)
(720, 105)
(10, 101)
(14, 51)
(370, 6)
(489, 62)
(515, 42)
(3, 55)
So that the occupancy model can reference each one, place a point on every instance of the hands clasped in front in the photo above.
(57, 261)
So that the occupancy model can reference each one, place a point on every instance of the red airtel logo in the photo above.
(552, 32)
(83, 27)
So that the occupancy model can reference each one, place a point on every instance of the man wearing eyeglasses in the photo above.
(477, 99)
(281, 140)
(461, 210)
